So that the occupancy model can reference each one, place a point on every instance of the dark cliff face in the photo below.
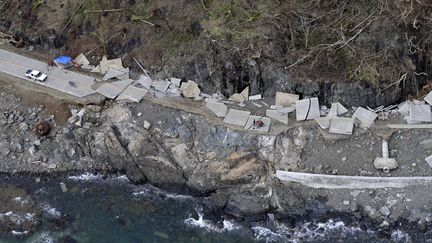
(186, 154)
(356, 52)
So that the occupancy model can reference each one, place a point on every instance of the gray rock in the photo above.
(32, 150)
(426, 144)
(4, 149)
(354, 206)
(384, 211)
(23, 126)
(184, 133)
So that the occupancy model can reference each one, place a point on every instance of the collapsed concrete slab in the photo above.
(176, 82)
(337, 109)
(307, 109)
(366, 117)
(428, 98)
(286, 99)
(323, 122)
(237, 98)
(161, 85)
(420, 113)
(132, 93)
(237, 117)
(106, 64)
(255, 97)
(429, 161)
(278, 116)
(220, 109)
(113, 89)
(404, 107)
(190, 89)
(113, 73)
(258, 123)
(286, 110)
(145, 81)
(81, 59)
(245, 93)
(341, 125)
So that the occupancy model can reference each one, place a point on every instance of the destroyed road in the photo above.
(58, 79)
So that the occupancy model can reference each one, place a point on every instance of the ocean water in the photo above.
(113, 210)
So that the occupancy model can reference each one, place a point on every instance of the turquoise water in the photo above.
(113, 210)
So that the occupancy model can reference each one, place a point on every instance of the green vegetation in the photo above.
(37, 3)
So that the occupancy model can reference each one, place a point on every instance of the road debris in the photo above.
(245, 93)
(341, 125)
(147, 125)
(255, 97)
(365, 117)
(113, 73)
(161, 85)
(237, 98)
(145, 81)
(132, 93)
(278, 116)
(323, 122)
(113, 89)
(176, 82)
(286, 99)
(385, 163)
(77, 117)
(258, 123)
(220, 109)
(190, 89)
(428, 98)
(419, 114)
(237, 117)
(307, 109)
(81, 59)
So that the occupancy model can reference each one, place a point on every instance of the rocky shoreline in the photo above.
(232, 169)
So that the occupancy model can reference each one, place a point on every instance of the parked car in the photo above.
(36, 75)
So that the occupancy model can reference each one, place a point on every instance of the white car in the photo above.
(36, 75)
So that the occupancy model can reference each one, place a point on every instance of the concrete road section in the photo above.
(16, 65)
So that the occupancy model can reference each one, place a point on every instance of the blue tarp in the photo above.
(65, 60)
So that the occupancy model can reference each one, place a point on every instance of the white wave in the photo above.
(18, 219)
(42, 238)
(229, 225)
(19, 233)
(208, 225)
(51, 211)
(85, 177)
(262, 233)
(306, 231)
(151, 190)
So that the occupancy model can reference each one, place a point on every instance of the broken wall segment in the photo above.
(307, 109)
